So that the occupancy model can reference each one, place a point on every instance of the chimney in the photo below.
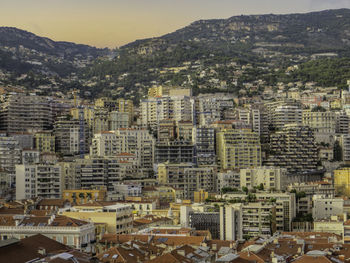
(42, 251)
(51, 219)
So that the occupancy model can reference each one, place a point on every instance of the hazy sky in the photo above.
(116, 22)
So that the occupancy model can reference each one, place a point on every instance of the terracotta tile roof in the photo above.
(121, 254)
(282, 248)
(68, 221)
(40, 212)
(11, 211)
(52, 202)
(312, 259)
(98, 203)
(6, 220)
(250, 256)
(219, 244)
(169, 240)
(242, 246)
(59, 221)
(170, 258)
(27, 249)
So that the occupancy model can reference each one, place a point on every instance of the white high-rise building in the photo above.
(211, 107)
(178, 108)
(138, 142)
(268, 177)
(104, 144)
(10, 155)
(41, 180)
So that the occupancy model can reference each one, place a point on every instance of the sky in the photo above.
(112, 23)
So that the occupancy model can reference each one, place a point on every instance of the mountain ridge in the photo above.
(268, 43)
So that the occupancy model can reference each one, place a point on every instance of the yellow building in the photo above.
(44, 141)
(336, 104)
(173, 212)
(200, 196)
(238, 148)
(118, 217)
(335, 225)
(88, 114)
(126, 106)
(342, 181)
(155, 91)
(163, 193)
(83, 196)
(320, 121)
(106, 103)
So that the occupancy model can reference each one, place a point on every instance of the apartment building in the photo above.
(38, 180)
(140, 143)
(342, 123)
(238, 221)
(107, 103)
(174, 152)
(269, 177)
(163, 193)
(184, 130)
(188, 178)
(21, 113)
(204, 140)
(104, 144)
(211, 108)
(10, 156)
(293, 148)
(25, 139)
(166, 131)
(178, 108)
(118, 120)
(100, 121)
(118, 217)
(205, 221)
(229, 178)
(325, 208)
(44, 141)
(342, 181)
(285, 204)
(345, 145)
(126, 106)
(124, 190)
(69, 231)
(286, 114)
(72, 136)
(96, 172)
(238, 148)
(320, 121)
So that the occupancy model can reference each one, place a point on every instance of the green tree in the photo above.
(245, 189)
